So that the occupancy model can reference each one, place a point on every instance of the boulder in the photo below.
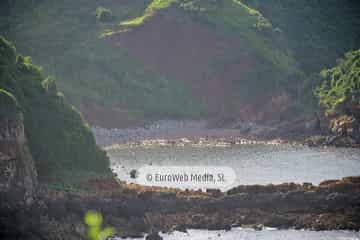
(346, 126)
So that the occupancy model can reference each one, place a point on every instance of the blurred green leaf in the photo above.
(93, 218)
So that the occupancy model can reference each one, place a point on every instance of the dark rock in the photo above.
(315, 141)
(18, 176)
(153, 236)
(214, 192)
(227, 227)
(345, 126)
(259, 227)
(180, 228)
(133, 173)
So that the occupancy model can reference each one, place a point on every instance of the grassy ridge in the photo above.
(153, 7)
(57, 137)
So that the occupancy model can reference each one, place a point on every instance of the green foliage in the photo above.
(319, 32)
(94, 221)
(57, 137)
(153, 7)
(341, 84)
(104, 14)
(8, 105)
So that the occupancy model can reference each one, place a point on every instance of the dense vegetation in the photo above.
(57, 137)
(340, 90)
(319, 32)
(8, 105)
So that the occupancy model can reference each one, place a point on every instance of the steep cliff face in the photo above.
(18, 176)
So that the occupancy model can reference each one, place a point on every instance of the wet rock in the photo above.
(133, 173)
(227, 227)
(259, 227)
(153, 236)
(180, 228)
(316, 141)
(343, 141)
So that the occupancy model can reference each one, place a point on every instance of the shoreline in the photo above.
(199, 142)
(135, 210)
(199, 132)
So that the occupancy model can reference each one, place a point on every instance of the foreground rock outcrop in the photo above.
(134, 210)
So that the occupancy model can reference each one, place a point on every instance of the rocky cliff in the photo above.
(18, 176)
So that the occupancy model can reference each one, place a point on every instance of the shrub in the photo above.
(104, 14)
(8, 105)
(341, 85)
(94, 221)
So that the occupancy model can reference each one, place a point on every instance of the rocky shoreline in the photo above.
(172, 132)
(29, 210)
(165, 129)
(135, 210)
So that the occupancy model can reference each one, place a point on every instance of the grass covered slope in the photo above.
(340, 90)
(240, 49)
(229, 16)
(58, 139)
(95, 73)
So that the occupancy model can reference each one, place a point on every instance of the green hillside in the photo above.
(73, 44)
(58, 139)
(64, 38)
